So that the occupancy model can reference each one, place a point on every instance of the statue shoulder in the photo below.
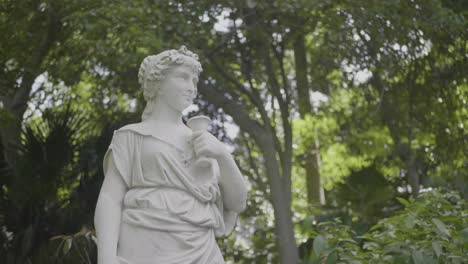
(127, 135)
(137, 128)
(133, 127)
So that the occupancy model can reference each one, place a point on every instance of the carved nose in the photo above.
(192, 90)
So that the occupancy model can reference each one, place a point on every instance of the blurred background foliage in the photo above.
(347, 118)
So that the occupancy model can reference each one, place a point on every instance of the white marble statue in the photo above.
(168, 189)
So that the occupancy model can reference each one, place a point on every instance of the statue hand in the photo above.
(207, 145)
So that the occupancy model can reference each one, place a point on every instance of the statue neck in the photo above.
(164, 113)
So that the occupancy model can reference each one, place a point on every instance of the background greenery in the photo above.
(351, 121)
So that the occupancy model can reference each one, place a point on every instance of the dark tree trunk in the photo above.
(279, 193)
(281, 205)
(15, 103)
(311, 160)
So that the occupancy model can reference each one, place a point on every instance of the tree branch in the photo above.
(237, 111)
(285, 152)
(262, 185)
(32, 67)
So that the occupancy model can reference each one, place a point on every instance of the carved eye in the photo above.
(182, 76)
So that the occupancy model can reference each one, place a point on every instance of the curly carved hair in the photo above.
(155, 67)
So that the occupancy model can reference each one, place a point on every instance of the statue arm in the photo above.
(231, 181)
(108, 213)
(232, 184)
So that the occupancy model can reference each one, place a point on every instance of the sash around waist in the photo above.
(170, 209)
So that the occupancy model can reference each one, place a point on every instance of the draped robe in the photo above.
(172, 210)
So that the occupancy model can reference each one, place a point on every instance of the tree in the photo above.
(402, 123)
(407, 69)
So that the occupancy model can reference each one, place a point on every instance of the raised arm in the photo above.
(108, 214)
(231, 182)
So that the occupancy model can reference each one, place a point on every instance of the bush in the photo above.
(431, 229)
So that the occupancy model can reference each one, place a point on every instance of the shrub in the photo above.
(431, 229)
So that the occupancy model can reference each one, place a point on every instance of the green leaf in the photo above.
(332, 258)
(417, 257)
(437, 248)
(464, 234)
(441, 227)
(348, 241)
(410, 220)
(403, 201)
(319, 245)
(67, 246)
(429, 260)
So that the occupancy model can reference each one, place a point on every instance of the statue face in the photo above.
(179, 88)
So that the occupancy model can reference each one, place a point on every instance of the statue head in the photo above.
(156, 68)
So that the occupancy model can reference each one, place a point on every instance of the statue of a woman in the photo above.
(156, 205)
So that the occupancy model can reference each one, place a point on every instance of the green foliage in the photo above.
(56, 181)
(410, 112)
(349, 141)
(76, 248)
(366, 195)
(430, 229)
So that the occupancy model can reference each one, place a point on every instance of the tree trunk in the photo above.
(311, 165)
(311, 160)
(403, 149)
(282, 209)
(413, 177)
(10, 136)
(264, 139)
(14, 107)
(15, 104)
(300, 60)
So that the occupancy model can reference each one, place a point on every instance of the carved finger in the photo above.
(198, 140)
(197, 146)
(196, 135)
(202, 151)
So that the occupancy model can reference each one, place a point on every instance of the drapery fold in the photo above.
(164, 199)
